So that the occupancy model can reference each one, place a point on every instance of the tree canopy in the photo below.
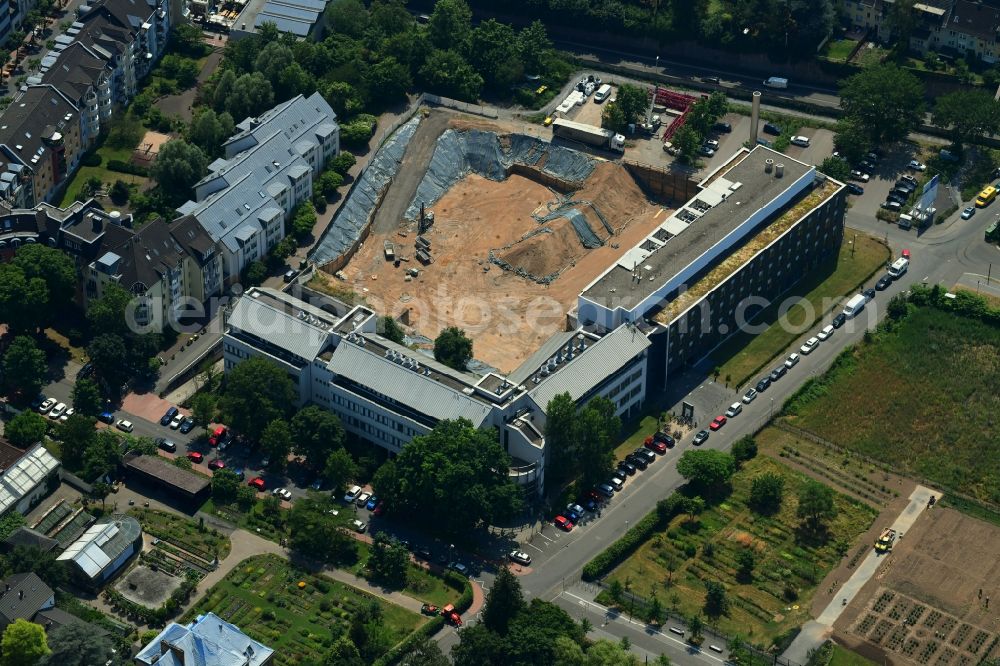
(314, 533)
(886, 101)
(316, 433)
(25, 429)
(256, 393)
(582, 440)
(23, 644)
(453, 348)
(24, 366)
(816, 505)
(178, 166)
(78, 645)
(708, 469)
(969, 114)
(450, 479)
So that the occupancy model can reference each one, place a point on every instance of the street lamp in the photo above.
(657, 62)
(772, 410)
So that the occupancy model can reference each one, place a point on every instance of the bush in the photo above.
(617, 552)
(127, 167)
(91, 159)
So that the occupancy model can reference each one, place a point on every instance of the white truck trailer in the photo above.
(594, 136)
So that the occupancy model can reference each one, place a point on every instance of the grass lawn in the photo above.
(78, 354)
(921, 398)
(745, 354)
(674, 565)
(869, 56)
(421, 584)
(844, 657)
(262, 596)
(203, 542)
(86, 172)
(840, 49)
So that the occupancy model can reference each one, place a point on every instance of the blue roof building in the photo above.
(208, 641)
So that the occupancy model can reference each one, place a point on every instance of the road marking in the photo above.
(545, 537)
(647, 629)
(531, 545)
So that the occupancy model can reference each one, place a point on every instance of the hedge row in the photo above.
(125, 167)
(402, 648)
(641, 532)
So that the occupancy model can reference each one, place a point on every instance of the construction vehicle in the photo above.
(594, 136)
(429, 609)
(885, 540)
(390, 250)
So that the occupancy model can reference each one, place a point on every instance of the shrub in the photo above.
(91, 159)
(617, 552)
(126, 167)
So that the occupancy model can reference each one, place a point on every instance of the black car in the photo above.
(897, 198)
(290, 275)
(627, 467)
(665, 438)
(168, 417)
(423, 554)
(854, 188)
(166, 445)
(869, 294)
(763, 384)
(643, 452)
(771, 128)
(839, 320)
(711, 79)
(86, 371)
(778, 372)
(187, 425)
(905, 185)
(701, 437)
(637, 460)
(725, 128)
(866, 166)
(883, 283)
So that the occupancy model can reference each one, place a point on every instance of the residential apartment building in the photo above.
(387, 394)
(40, 135)
(248, 195)
(84, 78)
(957, 27)
(207, 641)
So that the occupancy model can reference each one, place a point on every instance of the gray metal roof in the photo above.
(600, 360)
(406, 386)
(25, 475)
(546, 351)
(102, 543)
(279, 326)
(298, 117)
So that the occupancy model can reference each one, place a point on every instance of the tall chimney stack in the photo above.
(754, 118)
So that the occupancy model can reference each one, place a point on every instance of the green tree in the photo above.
(532, 634)
(568, 652)
(424, 652)
(744, 449)
(816, 505)
(836, 167)
(209, 130)
(766, 493)
(503, 603)
(613, 118)
(202, 409)
(387, 81)
(339, 469)
(595, 430)
(970, 114)
(494, 54)
(276, 443)
(24, 366)
(314, 533)
(349, 17)
(716, 601)
(902, 20)
(389, 17)
(343, 162)
(610, 653)
(478, 646)
(254, 274)
(251, 94)
(696, 625)
(687, 142)
(535, 47)
(452, 478)
(852, 140)
(389, 329)
(225, 486)
(633, 101)
(108, 314)
(447, 73)
(86, 397)
(110, 357)
(746, 560)
(389, 561)
(897, 307)
(708, 469)
(256, 392)
(44, 564)
(102, 456)
(52, 266)
(343, 653)
(885, 99)
(328, 184)
(560, 436)
(23, 644)
(25, 429)
(178, 166)
(303, 220)
(10, 522)
(223, 89)
(453, 348)
(655, 611)
(316, 434)
(77, 434)
(450, 26)
(24, 302)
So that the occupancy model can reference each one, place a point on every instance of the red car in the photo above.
(906, 254)
(216, 464)
(563, 523)
(654, 445)
(217, 436)
(195, 457)
(379, 509)
(717, 423)
(257, 483)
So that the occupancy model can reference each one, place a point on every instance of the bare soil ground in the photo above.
(507, 316)
(924, 605)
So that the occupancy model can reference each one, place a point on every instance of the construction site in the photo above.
(934, 600)
(491, 230)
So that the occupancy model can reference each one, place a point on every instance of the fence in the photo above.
(478, 109)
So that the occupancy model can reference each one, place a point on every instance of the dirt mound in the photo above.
(615, 193)
(546, 254)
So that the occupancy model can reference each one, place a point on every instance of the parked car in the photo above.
(763, 384)
(723, 127)
(854, 188)
(968, 212)
(904, 184)
(869, 294)
(379, 509)
(187, 425)
(371, 503)
(898, 198)
(659, 447)
(563, 523)
(362, 499)
(217, 436)
(359, 526)
(839, 320)
(883, 283)
(257, 483)
(645, 453)
(106, 417)
(290, 275)
(916, 166)
(283, 493)
(57, 411)
(749, 396)
(701, 437)
(909, 179)
(573, 516)
(176, 422)
(124, 426)
(627, 467)
(706, 151)
(717, 422)
(809, 346)
(47, 405)
(352, 494)
(778, 373)
(857, 175)
(65, 415)
(216, 465)
(519, 557)
(617, 483)
(799, 140)
(168, 416)
(893, 206)
(734, 410)
(166, 445)
(637, 460)
(195, 457)
(772, 129)
(792, 361)
(712, 143)
(825, 333)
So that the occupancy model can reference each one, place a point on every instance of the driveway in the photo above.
(815, 632)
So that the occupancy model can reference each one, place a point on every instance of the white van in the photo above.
(602, 93)
(855, 305)
(898, 268)
(776, 82)
(352, 494)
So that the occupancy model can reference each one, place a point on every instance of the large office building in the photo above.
(757, 225)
